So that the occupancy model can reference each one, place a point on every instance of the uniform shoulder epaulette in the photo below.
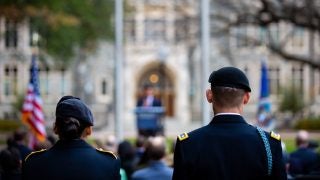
(107, 152)
(33, 153)
(275, 135)
(183, 136)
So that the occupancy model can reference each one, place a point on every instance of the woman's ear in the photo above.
(88, 131)
(209, 95)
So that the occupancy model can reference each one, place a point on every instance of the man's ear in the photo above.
(209, 95)
(246, 98)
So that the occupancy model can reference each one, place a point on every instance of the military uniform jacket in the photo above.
(73, 159)
(226, 149)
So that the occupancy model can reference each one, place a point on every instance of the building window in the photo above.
(298, 37)
(242, 39)
(11, 34)
(274, 80)
(155, 30)
(104, 90)
(44, 80)
(181, 29)
(275, 35)
(130, 29)
(297, 78)
(263, 35)
(10, 80)
(63, 82)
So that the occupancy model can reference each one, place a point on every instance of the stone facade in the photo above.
(161, 47)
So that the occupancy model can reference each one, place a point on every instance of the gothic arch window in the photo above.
(159, 78)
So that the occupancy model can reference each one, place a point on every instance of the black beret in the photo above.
(230, 77)
(69, 106)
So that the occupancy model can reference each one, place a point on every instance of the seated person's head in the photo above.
(10, 160)
(156, 148)
(302, 139)
(74, 119)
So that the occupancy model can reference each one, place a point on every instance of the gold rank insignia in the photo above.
(183, 136)
(107, 152)
(32, 153)
(275, 135)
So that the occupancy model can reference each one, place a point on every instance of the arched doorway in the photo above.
(158, 75)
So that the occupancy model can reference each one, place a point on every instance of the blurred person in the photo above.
(228, 147)
(126, 152)
(10, 164)
(140, 147)
(149, 100)
(71, 157)
(304, 160)
(20, 141)
(157, 169)
(111, 143)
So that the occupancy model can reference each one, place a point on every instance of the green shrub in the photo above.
(9, 125)
(291, 100)
(308, 124)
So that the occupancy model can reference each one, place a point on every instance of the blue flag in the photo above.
(264, 109)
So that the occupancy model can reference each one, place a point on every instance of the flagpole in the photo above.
(205, 56)
(118, 74)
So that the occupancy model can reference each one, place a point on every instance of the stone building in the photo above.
(161, 47)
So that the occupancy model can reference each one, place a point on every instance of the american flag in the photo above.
(32, 114)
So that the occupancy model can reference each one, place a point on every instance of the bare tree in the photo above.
(268, 14)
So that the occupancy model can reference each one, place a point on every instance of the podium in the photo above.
(149, 120)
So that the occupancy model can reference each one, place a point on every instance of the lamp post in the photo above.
(35, 37)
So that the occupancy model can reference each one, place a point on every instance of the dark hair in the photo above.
(126, 150)
(227, 97)
(69, 128)
(19, 135)
(10, 160)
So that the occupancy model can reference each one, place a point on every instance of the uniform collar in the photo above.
(227, 114)
(224, 118)
(75, 143)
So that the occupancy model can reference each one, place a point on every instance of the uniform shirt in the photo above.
(226, 149)
(72, 159)
(157, 170)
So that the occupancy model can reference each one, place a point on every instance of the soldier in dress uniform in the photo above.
(71, 157)
(228, 147)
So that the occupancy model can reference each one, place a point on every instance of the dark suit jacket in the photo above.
(73, 159)
(156, 102)
(227, 148)
(303, 161)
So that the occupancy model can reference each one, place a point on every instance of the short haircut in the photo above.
(156, 148)
(227, 97)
